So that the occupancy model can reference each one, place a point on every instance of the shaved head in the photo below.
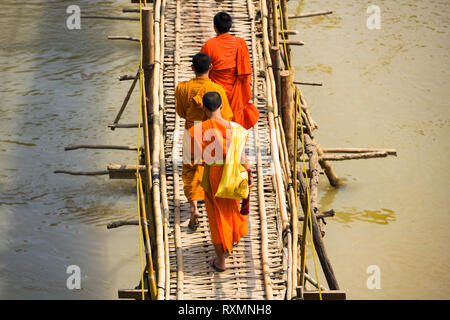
(212, 101)
(223, 22)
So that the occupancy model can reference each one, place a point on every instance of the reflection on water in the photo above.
(350, 215)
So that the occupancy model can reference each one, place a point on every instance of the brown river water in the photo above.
(381, 88)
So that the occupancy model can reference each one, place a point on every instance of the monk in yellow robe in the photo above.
(189, 106)
(231, 68)
(227, 225)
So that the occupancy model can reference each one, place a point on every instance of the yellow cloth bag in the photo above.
(234, 181)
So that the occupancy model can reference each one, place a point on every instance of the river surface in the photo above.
(382, 88)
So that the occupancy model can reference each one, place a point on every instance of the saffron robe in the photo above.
(189, 104)
(226, 224)
(231, 68)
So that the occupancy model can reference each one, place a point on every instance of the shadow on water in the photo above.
(59, 89)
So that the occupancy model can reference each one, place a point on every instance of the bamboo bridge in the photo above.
(269, 263)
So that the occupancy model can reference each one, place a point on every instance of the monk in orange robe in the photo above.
(226, 224)
(231, 68)
(189, 106)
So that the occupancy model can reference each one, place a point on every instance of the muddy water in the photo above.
(60, 88)
(382, 88)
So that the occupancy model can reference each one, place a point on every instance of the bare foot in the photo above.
(193, 221)
(216, 266)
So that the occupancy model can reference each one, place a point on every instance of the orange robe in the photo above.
(231, 69)
(226, 224)
(189, 95)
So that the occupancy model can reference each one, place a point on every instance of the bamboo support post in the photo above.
(392, 152)
(125, 101)
(127, 77)
(310, 14)
(120, 223)
(293, 43)
(354, 156)
(124, 38)
(164, 198)
(277, 155)
(83, 173)
(129, 10)
(148, 248)
(276, 67)
(285, 26)
(275, 32)
(322, 215)
(155, 151)
(176, 200)
(303, 83)
(328, 168)
(147, 49)
(109, 17)
(86, 146)
(262, 208)
(125, 125)
(314, 209)
(288, 114)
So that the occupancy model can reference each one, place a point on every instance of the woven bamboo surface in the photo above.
(191, 277)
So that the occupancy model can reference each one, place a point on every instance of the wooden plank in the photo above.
(326, 295)
(135, 294)
(117, 171)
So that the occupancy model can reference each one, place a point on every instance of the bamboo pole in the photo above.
(276, 34)
(156, 152)
(284, 10)
(314, 209)
(328, 168)
(148, 50)
(322, 215)
(164, 198)
(176, 177)
(125, 125)
(354, 156)
(127, 77)
(276, 67)
(274, 133)
(288, 112)
(392, 152)
(87, 146)
(148, 166)
(125, 101)
(108, 17)
(124, 38)
(148, 248)
(83, 173)
(305, 109)
(303, 83)
(310, 14)
(294, 220)
(262, 207)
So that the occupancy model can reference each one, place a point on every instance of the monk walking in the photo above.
(231, 68)
(213, 136)
(189, 106)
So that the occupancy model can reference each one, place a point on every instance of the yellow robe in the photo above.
(189, 96)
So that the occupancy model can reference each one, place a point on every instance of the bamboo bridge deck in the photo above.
(268, 262)
(244, 278)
